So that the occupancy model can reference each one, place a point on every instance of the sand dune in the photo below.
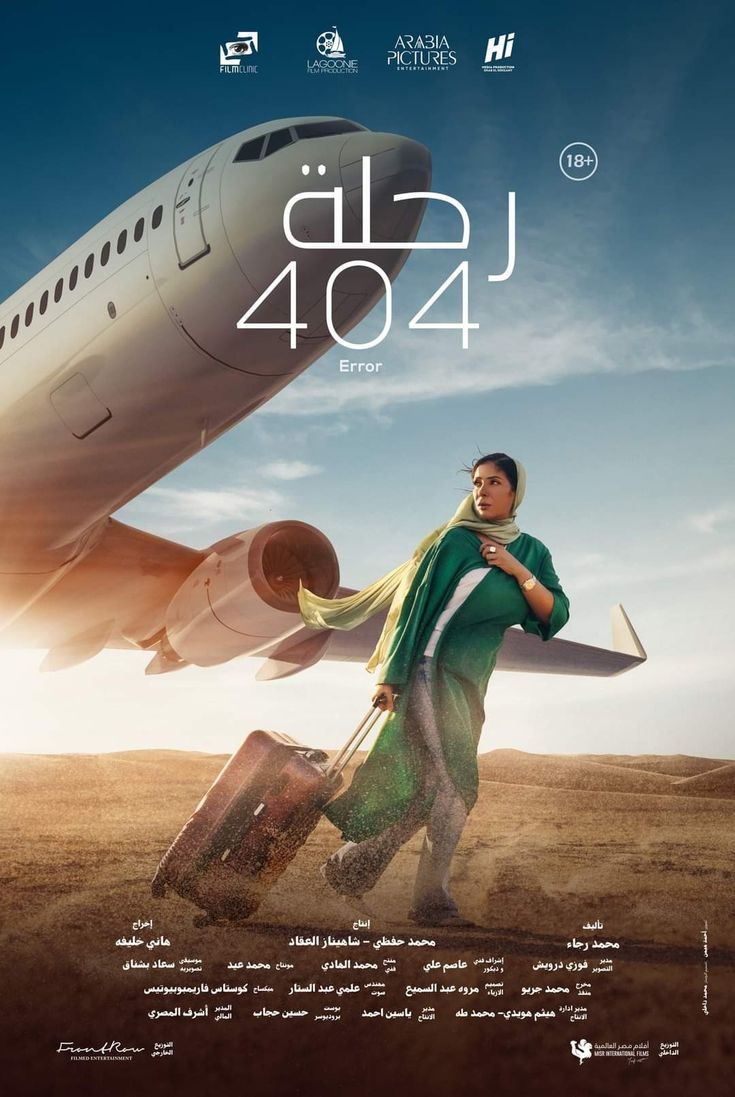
(552, 843)
(567, 771)
(716, 782)
(678, 765)
(123, 774)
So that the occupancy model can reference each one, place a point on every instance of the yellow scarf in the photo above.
(349, 612)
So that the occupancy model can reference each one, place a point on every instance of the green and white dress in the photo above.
(391, 780)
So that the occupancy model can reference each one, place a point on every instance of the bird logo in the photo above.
(582, 1049)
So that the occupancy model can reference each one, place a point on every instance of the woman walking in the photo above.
(450, 605)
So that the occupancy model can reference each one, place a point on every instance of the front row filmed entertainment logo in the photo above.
(111, 1049)
(333, 60)
(497, 53)
(234, 56)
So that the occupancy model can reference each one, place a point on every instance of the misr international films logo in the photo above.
(498, 52)
(333, 58)
(582, 1049)
(421, 53)
(234, 56)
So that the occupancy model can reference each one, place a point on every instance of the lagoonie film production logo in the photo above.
(232, 54)
(582, 1049)
(334, 58)
(498, 50)
(330, 44)
(421, 52)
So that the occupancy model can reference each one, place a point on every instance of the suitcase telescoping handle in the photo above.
(363, 729)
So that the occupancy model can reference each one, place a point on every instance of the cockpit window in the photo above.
(251, 150)
(278, 140)
(326, 129)
(257, 149)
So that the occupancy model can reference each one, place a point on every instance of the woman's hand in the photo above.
(538, 597)
(385, 698)
(496, 555)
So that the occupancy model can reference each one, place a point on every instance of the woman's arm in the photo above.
(538, 597)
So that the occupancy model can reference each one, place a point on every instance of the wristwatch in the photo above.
(530, 583)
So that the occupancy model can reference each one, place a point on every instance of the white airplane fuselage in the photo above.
(122, 358)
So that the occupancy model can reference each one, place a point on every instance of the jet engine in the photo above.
(242, 598)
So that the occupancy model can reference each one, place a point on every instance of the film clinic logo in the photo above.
(498, 52)
(333, 59)
(233, 56)
(421, 53)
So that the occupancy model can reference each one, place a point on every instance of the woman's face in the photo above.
(492, 492)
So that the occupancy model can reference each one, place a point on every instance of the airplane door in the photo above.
(191, 242)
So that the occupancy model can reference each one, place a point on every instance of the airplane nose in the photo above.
(397, 165)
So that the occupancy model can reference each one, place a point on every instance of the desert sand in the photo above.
(644, 845)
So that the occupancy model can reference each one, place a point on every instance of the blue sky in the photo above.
(604, 363)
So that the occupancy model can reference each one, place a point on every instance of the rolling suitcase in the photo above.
(253, 820)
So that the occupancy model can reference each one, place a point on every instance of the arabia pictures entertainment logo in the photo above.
(234, 57)
(333, 58)
(421, 53)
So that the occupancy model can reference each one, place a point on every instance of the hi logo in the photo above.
(582, 1049)
(497, 51)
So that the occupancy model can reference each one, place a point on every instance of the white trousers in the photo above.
(356, 867)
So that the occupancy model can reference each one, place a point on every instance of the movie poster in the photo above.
(295, 270)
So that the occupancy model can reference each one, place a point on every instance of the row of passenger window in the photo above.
(104, 258)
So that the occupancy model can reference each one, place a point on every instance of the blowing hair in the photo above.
(505, 463)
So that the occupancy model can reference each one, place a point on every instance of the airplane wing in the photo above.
(520, 650)
(119, 596)
(120, 591)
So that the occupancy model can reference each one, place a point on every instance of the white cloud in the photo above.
(595, 570)
(290, 470)
(191, 507)
(560, 315)
(707, 521)
(539, 328)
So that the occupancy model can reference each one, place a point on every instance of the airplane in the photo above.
(122, 358)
